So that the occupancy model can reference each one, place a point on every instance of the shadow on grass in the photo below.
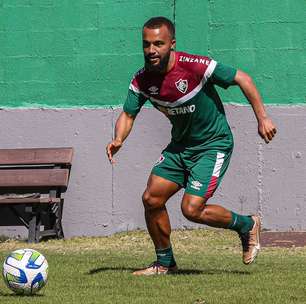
(14, 295)
(180, 271)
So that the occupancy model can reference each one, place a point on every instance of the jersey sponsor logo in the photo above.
(160, 160)
(194, 60)
(182, 85)
(181, 110)
(153, 90)
(196, 185)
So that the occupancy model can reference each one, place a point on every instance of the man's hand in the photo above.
(112, 148)
(123, 128)
(266, 129)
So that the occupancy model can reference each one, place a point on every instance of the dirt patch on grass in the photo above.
(283, 239)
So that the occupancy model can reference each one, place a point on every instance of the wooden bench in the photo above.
(31, 185)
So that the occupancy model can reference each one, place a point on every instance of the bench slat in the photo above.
(36, 156)
(30, 200)
(34, 178)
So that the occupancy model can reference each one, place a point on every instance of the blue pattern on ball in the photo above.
(22, 278)
(38, 279)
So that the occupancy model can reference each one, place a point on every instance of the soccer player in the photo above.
(182, 86)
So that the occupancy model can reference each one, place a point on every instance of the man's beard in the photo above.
(161, 67)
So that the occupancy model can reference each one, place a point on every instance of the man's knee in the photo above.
(151, 202)
(193, 211)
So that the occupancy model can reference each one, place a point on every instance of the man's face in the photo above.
(157, 45)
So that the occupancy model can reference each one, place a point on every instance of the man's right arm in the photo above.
(133, 103)
(123, 128)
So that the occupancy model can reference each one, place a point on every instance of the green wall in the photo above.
(59, 53)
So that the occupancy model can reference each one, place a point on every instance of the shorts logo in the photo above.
(196, 185)
(182, 85)
(160, 160)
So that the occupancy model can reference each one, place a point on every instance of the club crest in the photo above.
(182, 85)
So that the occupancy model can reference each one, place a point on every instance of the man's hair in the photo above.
(157, 22)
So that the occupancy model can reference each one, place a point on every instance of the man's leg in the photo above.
(205, 175)
(158, 191)
(195, 209)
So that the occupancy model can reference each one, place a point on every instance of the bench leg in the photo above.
(53, 226)
(32, 229)
(56, 215)
(34, 226)
(58, 221)
(37, 228)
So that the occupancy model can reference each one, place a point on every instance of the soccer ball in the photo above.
(25, 271)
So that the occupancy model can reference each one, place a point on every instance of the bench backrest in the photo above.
(57, 156)
(35, 167)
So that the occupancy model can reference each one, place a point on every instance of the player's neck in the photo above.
(171, 62)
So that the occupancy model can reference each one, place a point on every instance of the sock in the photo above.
(165, 257)
(241, 223)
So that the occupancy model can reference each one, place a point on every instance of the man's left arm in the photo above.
(266, 128)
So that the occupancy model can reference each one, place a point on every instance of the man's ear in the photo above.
(173, 44)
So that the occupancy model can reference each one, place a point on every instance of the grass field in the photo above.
(98, 270)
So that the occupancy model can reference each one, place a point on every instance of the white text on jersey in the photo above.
(181, 110)
(195, 60)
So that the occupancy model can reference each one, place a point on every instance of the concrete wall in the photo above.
(60, 53)
(103, 199)
(65, 67)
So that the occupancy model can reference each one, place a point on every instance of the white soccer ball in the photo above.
(25, 271)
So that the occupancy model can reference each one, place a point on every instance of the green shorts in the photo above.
(199, 172)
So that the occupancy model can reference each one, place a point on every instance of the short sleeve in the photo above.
(134, 102)
(223, 75)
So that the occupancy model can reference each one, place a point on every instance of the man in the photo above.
(181, 86)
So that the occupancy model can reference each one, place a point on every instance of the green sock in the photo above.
(165, 257)
(241, 223)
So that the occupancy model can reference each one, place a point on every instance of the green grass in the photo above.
(98, 270)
